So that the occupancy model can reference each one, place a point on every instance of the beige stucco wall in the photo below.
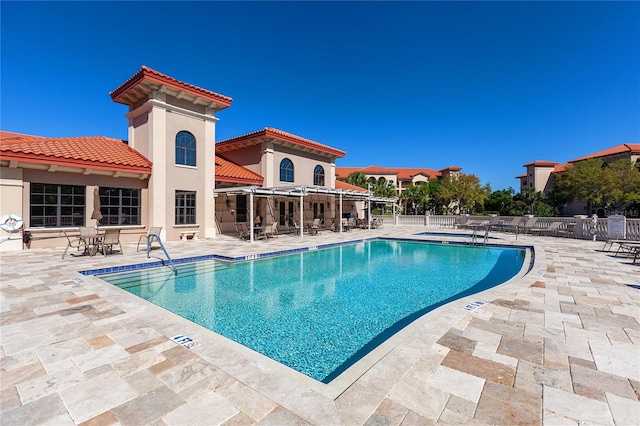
(303, 165)
(153, 127)
(15, 190)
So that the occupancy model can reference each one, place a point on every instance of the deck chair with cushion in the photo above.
(111, 238)
(152, 235)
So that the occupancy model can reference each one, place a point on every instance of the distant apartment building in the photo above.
(401, 177)
(540, 175)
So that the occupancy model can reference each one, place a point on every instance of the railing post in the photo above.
(579, 229)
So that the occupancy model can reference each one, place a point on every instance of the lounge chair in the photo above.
(568, 231)
(530, 223)
(352, 223)
(313, 228)
(111, 237)
(151, 235)
(549, 230)
(506, 226)
(611, 242)
(631, 248)
(345, 225)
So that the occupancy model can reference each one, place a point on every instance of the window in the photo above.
(318, 211)
(318, 176)
(56, 205)
(120, 206)
(185, 207)
(185, 149)
(241, 208)
(286, 170)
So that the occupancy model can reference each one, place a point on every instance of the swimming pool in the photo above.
(320, 311)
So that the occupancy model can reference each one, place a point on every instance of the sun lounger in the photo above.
(549, 230)
(526, 227)
(611, 242)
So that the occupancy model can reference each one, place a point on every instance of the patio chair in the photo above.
(345, 225)
(74, 242)
(111, 237)
(269, 231)
(352, 223)
(315, 226)
(243, 231)
(152, 233)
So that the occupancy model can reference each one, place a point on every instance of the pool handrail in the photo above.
(157, 237)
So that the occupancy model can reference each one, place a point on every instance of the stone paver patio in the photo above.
(558, 346)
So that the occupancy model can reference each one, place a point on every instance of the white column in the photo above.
(251, 217)
(340, 218)
(301, 215)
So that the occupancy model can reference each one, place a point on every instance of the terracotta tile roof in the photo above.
(259, 136)
(451, 169)
(631, 148)
(541, 163)
(227, 171)
(344, 172)
(560, 168)
(90, 152)
(521, 176)
(348, 187)
(137, 87)
(408, 174)
(402, 173)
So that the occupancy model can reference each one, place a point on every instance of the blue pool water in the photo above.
(320, 311)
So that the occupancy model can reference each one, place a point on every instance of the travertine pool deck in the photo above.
(558, 346)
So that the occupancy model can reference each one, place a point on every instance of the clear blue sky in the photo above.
(484, 86)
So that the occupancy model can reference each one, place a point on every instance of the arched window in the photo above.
(286, 170)
(185, 149)
(318, 176)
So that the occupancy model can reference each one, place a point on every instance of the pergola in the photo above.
(300, 192)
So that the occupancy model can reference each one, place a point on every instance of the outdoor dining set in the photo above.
(90, 241)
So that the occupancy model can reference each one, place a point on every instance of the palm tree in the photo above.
(357, 179)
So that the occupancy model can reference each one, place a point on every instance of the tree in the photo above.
(502, 202)
(464, 192)
(608, 185)
(357, 179)
(383, 188)
(527, 200)
(416, 196)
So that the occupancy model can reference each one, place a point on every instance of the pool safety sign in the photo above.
(185, 341)
(473, 306)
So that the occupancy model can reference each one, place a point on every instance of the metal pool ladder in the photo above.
(157, 237)
(474, 236)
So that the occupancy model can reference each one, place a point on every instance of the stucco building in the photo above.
(170, 173)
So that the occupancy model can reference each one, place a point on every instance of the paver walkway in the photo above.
(559, 346)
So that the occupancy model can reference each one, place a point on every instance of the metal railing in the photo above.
(157, 237)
